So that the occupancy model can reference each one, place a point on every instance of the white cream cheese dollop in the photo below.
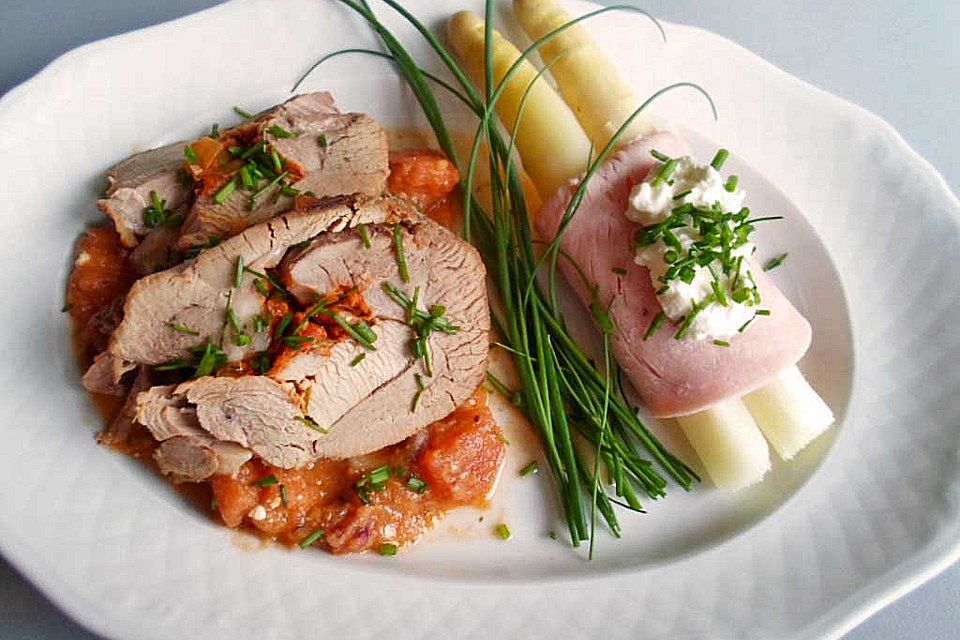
(652, 202)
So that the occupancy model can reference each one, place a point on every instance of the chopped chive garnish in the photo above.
(721, 343)
(182, 328)
(190, 154)
(379, 475)
(719, 293)
(215, 130)
(295, 342)
(683, 194)
(212, 358)
(731, 184)
(275, 157)
(259, 323)
(360, 331)
(242, 340)
(387, 549)
(364, 236)
(279, 132)
(261, 286)
(416, 485)
(261, 363)
(416, 396)
(246, 177)
(401, 256)
(307, 421)
(238, 275)
(283, 495)
(719, 159)
(763, 312)
(357, 360)
(775, 262)
(531, 468)
(746, 324)
(157, 215)
(65, 308)
(232, 319)
(173, 365)
(620, 271)
(283, 324)
(690, 317)
(323, 141)
(252, 149)
(242, 113)
(225, 191)
(502, 438)
(365, 332)
(666, 172)
(655, 325)
(266, 187)
(310, 539)
(501, 388)
(503, 531)
(268, 481)
(662, 157)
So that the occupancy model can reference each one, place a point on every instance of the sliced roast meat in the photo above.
(131, 182)
(197, 458)
(123, 424)
(165, 413)
(324, 152)
(187, 452)
(168, 313)
(99, 377)
(322, 400)
(157, 251)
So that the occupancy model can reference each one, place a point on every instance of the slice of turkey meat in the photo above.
(318, 402)
(130, 184)
(334, 154)
(674, 377)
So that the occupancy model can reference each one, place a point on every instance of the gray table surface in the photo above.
(898, 58)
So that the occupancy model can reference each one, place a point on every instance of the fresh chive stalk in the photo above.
(562, 392)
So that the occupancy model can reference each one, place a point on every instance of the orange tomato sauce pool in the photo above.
(389, 497)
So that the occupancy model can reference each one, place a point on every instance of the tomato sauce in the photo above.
(389, 497)
(428, 179)
(453, 463)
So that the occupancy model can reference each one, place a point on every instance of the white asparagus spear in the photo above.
(552, 146)
(587, 80)
(725, 436)
(729, 444)
(789, 412)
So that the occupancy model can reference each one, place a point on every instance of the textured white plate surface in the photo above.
(869, 512)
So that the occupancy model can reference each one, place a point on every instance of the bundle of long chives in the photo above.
(562, 391)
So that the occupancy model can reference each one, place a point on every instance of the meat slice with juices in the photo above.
(170, 201)
(310, 335)
(324, 393)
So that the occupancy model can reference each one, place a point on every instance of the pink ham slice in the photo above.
(673, 377)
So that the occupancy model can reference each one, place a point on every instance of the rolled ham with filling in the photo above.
(673, 377)
(732, 391)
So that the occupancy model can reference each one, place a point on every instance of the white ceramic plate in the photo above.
(867, 513)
